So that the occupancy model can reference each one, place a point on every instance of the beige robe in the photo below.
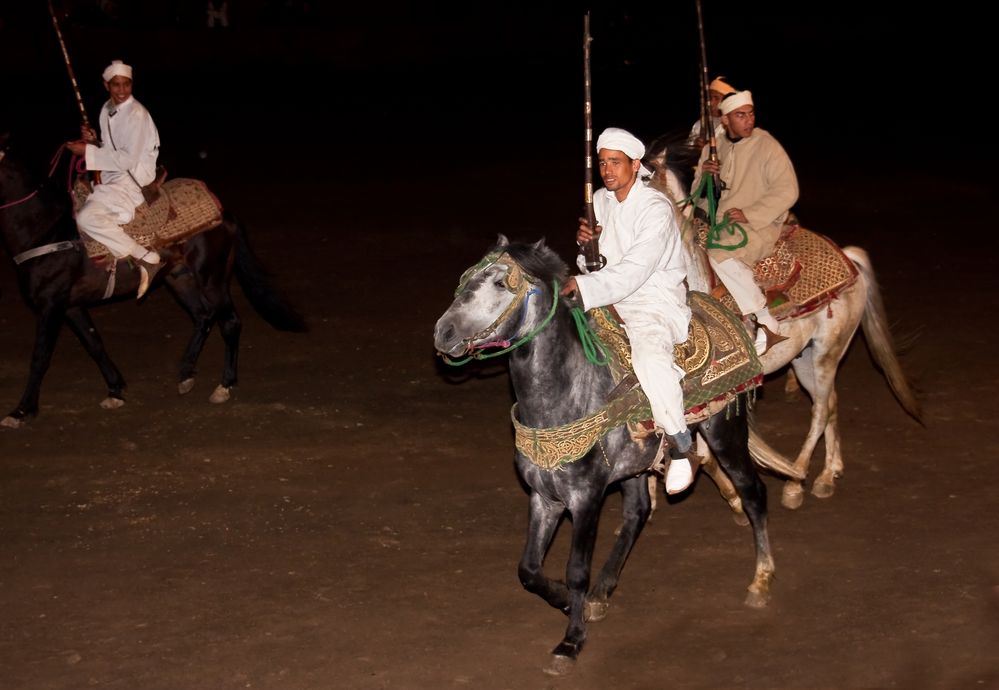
(760, 180)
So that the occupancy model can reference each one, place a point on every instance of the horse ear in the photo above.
(539, 245)
(501, 240)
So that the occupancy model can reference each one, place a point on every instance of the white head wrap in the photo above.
(721, 86)
(117, 68)
(622, 140)
(736, 100)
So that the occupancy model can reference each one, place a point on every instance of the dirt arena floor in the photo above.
(352, 517)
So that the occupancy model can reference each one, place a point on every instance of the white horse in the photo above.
(815, 344)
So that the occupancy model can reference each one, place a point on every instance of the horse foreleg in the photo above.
(636, 508)
(792, 389)
(188, 292)
(541, 527)
(47, 326)
(825, 484)
(817, 374)
(585, 516)
(83, 327)
(710, 465)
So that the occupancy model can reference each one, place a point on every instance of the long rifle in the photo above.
(708, 135)
(590, 250)
(69, 67)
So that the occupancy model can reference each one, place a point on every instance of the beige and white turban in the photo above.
(622, 140)
(117, 68)
(736, 100)
(721, 86)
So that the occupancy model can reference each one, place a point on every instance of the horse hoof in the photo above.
(11, 423)
(185, 386)
(792, 497)
(823, 489)
(595, 611)
(757, 600)
(740, 519)
(221, 394)
(112, 403)
(560, 665)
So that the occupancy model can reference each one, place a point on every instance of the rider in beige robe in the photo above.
(759, 188)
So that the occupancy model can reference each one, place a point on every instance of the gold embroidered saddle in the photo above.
(720, 362)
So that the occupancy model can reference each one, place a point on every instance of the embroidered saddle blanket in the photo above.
(720, 362)
(805, 272)
(184, 208)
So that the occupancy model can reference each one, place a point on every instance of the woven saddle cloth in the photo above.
(719, 360)
(184, 208)
(805, 272)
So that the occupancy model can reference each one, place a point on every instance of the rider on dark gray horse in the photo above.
(644, 280)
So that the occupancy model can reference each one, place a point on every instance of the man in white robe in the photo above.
(644, 280)
(126, 161)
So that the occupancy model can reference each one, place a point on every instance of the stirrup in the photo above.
(146, 274)
(772, 338)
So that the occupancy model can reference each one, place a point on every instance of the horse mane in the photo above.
(676, 154)
(537, 259)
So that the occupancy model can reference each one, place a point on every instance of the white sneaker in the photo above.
(679, 476)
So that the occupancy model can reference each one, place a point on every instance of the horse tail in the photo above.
(879, 338)
(770, 459)
(259, 289)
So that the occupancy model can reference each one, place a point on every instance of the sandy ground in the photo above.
(352, 518)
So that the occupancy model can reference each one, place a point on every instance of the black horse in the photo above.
(61, 285)
(511, 299)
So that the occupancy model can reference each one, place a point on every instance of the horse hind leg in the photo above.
(817, 374)
(728, 439)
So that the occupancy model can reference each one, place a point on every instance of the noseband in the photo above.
(523, 288)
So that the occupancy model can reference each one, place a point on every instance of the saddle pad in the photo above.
(718, 356)
(805, 272)
(184, 208)
(825, 271)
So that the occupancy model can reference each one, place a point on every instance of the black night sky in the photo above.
(435, 91)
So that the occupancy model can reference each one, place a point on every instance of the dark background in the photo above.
(391, 90)
(352, 518)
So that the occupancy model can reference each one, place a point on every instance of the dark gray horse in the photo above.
(510, 299)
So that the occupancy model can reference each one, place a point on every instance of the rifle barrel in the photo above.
(69, 66)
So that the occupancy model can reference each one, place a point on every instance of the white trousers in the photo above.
(103, 214)
(738, 279)
(652, 359)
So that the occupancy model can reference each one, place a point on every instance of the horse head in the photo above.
(501, 298)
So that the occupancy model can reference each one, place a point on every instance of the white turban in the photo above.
(736, 100)
(117, 68)
(624, 141)
(721, 86)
